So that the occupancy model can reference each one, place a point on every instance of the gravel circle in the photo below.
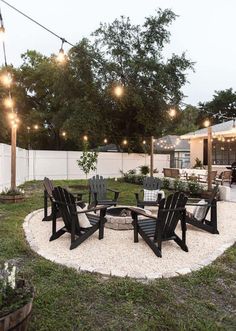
(118, 255)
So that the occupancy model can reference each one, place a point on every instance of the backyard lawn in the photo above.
(67, 300)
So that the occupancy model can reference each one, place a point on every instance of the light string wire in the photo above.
(39, 24)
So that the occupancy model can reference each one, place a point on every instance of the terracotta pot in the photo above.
(11, 199)
(17, 320)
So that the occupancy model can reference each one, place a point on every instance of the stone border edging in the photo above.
(196, 266)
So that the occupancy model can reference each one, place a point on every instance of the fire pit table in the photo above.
(119, 218)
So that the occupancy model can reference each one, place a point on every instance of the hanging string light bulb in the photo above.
(6, 79)
(61, 57)
(2, 29)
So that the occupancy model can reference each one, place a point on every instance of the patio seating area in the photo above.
(120, 256)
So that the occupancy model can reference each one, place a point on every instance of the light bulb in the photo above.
(125, 142)
(85, 138)
(105, 141)
(63, 133)
(36, 126)
(118, 90)
(207, 123)
(8, 102)
(2, 33)
(172, 112)
(61, 57)
(6, 79)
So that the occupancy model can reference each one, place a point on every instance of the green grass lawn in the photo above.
(67, 300)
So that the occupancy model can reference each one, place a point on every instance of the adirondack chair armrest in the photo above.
(92, 209)
(196, 204)
(115, 192)
(140, 212)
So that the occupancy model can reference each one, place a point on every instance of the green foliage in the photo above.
(198, 163)
(78, 97)
(194, 187)
(222, 103)
(131, 177)
(187, 121)
(179, 185)
(88, 160)
(166, 183)
(144, 170)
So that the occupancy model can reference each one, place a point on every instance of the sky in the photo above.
(204, 29)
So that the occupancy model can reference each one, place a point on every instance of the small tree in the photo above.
(88, 160)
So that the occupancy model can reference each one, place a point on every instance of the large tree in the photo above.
(132, 55)
(222, 106)
(79, 98)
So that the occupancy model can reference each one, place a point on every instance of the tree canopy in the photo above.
(79, 98)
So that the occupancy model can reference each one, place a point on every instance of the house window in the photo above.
(223, 152)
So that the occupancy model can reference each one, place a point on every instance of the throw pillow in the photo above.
(83, 219)
(150, 195)
(200, 210)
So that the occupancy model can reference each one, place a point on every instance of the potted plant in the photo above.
(12, 196)
(16, 298)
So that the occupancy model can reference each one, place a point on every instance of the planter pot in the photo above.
(17, 320)
(11, 199)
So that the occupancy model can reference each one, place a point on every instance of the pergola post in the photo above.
(209, 157)
(151, 157)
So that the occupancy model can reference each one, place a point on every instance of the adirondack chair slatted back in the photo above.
(152, 183)
(48, 185)
(99, 185)
(168, 220)
(65, 202)
(210, 200)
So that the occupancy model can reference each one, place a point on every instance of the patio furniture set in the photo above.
(81, 221)
(200, 176)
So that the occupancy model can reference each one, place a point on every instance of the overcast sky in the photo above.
(205, 30)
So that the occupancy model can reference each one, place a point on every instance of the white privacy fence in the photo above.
(35, 165)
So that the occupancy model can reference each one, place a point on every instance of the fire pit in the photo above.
(119, 218)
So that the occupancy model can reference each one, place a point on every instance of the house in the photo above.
(178, 149)
(223, 145)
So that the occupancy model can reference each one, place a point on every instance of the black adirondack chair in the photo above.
(98, 192)
(211, 205)
(48, 188)
(149, 183)
(66, 204)
(155, 230)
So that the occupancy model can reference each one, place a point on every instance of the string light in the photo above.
(6, 79)
(36, 126)
(144, 142)
(207, 123)
(8, 102)
(61, 57)
(105, 141)
(118, 90)
(172, 112)
(63, 133)
(125, 142)
(85, 138)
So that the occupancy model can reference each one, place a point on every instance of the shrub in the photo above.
(166, 183)
(198, 163)
(179, 185)
(144, 170)
(194, 187)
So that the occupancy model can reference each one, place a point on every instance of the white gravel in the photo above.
(118, 255)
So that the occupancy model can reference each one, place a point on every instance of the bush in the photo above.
(166, 183)
(144, 170)
(194, 187)
(179, 185)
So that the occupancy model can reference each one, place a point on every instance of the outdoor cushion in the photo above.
(83, 219)
(200, 210)
(151, 195)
